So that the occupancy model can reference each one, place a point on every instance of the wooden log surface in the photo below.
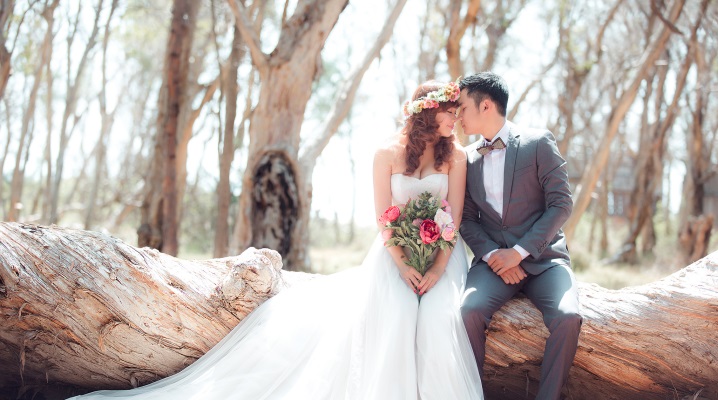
(86, 310)
(655, 341)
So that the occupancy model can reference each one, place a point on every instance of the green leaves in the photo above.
(406, 231)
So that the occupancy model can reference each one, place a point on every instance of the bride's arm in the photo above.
(383, 160)
(455, 197)
(457, 185)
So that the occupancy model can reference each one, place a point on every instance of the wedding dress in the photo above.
(358, 334)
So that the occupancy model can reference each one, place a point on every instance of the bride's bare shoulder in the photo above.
(458, 155)
(388, 157)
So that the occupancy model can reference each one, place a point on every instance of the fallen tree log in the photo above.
(655, 341)
(85, 309)
(82, 311)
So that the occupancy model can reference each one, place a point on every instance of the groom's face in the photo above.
(471, 116)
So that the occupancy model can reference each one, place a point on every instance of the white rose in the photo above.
(442, 218)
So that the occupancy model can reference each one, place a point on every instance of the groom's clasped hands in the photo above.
(505, 264)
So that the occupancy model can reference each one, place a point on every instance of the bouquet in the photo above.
(422, 225)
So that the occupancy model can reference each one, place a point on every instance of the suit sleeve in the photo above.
(553, 178)
(471, 230)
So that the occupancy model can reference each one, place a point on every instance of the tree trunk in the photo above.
(106, 121)
(188, 117)
(640, 205)
(72, 88)
(47, 154)
(27, 128)
(457, 25)
(457, 28)
(695, 236)
(593, 171)
(577, 70)
(5, 152)
(270, 205)
(230, 89)
(337, 114)
(179, 46)
(85, 310)
(649, 167)
(6, 13)
(694, 233)
(429, 49)
(603, 215)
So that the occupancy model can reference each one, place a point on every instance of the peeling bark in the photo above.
(84, 310)
(87, 310)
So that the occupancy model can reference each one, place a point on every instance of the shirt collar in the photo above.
(503, 134)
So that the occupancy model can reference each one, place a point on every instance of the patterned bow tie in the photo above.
(497, 145)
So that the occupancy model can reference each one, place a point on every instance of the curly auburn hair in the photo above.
(421, 129)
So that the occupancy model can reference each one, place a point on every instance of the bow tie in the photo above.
(497, 145)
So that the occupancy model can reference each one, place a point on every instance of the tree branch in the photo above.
(347, 93)
(250, 37)
(659, 14)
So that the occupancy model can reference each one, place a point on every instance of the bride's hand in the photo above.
(410, 276)
(431, 276)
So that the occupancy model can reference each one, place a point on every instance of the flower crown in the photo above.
(448, 92)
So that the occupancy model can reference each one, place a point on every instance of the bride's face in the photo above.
(446, 120)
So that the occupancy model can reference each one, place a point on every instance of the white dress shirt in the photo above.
(494, 164)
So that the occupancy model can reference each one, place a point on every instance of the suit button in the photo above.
(504, 227)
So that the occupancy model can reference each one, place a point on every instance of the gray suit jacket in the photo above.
(537, 202)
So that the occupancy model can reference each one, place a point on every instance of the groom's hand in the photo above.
(513, 275)
(502, 260)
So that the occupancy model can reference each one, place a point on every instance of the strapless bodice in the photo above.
(404, 187)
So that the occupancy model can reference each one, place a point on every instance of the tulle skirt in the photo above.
(357, 334)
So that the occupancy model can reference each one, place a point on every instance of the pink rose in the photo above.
(390, 215)
(387, 234)
(429, 231)
(417, 222)
(448, 233)
(445, 205)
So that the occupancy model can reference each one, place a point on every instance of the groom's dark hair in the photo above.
(487, 84)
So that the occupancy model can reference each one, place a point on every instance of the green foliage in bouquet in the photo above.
(422, 226)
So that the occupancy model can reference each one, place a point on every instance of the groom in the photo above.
(517, 199)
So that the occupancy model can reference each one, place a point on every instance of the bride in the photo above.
(362, 333)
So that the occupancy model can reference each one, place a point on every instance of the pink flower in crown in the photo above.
(453, 91)
(449, 233)
(406, 109)
(428, 103)
(429, 231)
(387, 234)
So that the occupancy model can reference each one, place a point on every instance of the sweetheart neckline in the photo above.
(420, 179)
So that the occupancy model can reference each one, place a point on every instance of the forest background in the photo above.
(204, 127)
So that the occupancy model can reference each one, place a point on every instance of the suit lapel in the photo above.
(512, 149)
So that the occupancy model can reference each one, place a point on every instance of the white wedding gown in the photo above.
(357, 334)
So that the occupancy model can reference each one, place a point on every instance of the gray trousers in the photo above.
(553, 292)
